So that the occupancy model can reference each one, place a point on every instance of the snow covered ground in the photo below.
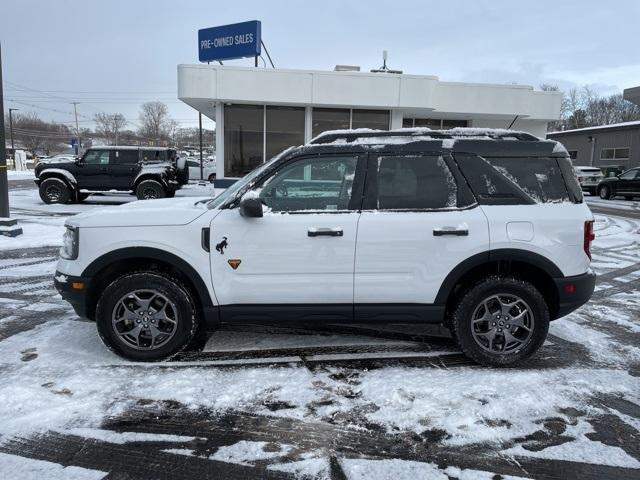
(350, 403)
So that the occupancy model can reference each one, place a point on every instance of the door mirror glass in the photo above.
(251, 208)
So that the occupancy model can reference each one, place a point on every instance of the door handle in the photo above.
(325, 232)
(456, 232)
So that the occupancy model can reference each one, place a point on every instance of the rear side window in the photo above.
(414, 183)
(153, 155)
(520, 180)
(126, 157)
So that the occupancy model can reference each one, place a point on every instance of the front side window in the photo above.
(414, 182)
(630, 175)
(314, 184)
(97, 157)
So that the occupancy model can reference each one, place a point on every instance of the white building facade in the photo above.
(260, 112)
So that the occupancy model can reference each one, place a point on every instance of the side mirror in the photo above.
(251, 208)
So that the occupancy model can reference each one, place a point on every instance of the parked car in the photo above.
(483, 231)
(626, 184)
(208, 169)
(146, 172)
(589, 178)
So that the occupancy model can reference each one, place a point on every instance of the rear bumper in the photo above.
(77, 297)
(573, 292)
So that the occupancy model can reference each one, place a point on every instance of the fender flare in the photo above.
(153, 254)
(142, 176)
(53, 172)
(507, 254)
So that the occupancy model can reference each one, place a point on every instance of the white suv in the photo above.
(484, 231)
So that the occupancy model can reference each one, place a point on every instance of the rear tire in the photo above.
(54, 190)
(146, 317)
(149, 190)
(604, 192)
(501, 321)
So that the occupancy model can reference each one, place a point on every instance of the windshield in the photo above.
(236, 187)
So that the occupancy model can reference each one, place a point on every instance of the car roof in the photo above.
(480, 141)
(128, 147)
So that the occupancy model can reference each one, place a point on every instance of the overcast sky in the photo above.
(112, 55)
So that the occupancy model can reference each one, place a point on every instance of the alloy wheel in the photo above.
(144, 319)
(54, 193)
(502, 323)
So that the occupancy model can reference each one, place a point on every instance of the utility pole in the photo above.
(13, 149)
(75, 111)
(201, 161)
(8, 227)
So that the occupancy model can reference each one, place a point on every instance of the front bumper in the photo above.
(67, 286)
(573, 292)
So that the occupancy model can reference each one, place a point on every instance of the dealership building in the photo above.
(260, 112)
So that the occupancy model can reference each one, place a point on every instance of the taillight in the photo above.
(589, 236)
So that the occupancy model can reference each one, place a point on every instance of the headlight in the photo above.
(70, 242)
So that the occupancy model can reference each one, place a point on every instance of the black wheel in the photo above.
(604, 192)
(146, 317)
(82, 196)
(212, 177)
(54, 190)
(501, 321)
(150, 189)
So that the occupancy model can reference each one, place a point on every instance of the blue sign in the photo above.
(228, 42)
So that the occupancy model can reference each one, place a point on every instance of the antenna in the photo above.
(384, 68)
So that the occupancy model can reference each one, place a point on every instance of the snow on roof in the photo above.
(599, 127)
(406, 135)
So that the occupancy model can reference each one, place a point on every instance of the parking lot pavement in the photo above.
(338, 403)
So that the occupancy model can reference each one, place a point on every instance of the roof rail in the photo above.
(422, 134)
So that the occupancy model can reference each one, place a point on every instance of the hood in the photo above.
(143, 213)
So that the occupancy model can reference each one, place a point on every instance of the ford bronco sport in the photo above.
(148, 172)
(484, 231)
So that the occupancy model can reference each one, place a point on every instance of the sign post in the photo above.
(8, 227)
(229, 42)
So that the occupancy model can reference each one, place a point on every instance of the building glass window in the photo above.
(243, 138)
(433, 123)
(614, 154)
(325, 119)
(285, 127)
(374, 119)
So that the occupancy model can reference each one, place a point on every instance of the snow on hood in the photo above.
(57, 160)
(144, 213)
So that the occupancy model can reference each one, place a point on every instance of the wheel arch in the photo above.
(65, 176)
(522, 264)
(110, 266)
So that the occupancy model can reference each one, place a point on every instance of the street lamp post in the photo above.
(8, 227)
(13, 148)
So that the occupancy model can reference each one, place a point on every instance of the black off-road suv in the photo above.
(147, 172)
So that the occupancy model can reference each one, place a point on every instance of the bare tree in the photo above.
(109, 125)
(155, 123)
(37, 135)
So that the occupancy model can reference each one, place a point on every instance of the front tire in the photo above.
(501, 321)
(149, 190)
(146, 317)
(54, 190)
(604, 192)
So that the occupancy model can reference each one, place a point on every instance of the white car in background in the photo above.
(208, 171)
(589, 177)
